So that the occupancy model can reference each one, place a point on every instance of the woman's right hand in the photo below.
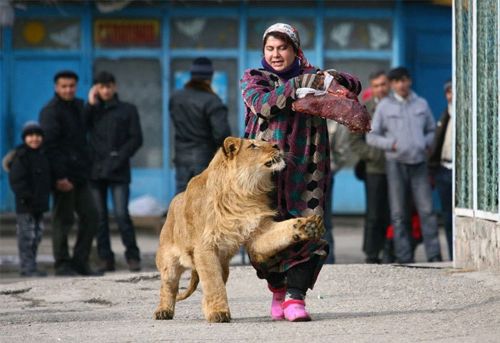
(315, 81)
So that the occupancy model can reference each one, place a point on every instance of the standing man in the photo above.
(115, 136)
(441, 164)
(200, 121)
(373, 163)
(403, 126)
(63, 122)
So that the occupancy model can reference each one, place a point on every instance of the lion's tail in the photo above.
(193, 283)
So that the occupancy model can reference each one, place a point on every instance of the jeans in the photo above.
(401, 177)
(78, 200)
(444, 187)
(184, 173)
(120, 195)
(29, 234)
(377, 215)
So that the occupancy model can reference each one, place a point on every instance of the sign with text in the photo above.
(119, 33)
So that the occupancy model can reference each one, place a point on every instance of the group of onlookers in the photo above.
(78, 152)
(400, 158)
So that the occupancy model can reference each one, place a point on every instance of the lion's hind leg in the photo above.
(171, 272)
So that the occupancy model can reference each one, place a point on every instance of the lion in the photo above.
(223, 208)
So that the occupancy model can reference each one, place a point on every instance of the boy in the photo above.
(30, 181)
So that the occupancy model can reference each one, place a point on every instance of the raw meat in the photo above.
(338, 104)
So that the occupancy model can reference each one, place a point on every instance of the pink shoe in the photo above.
(295, 311)
(278, 298)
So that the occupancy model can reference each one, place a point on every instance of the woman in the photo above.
(301, 188)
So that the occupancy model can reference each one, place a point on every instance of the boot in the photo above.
(295, 311)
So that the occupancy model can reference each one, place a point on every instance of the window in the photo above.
(46, 34)
(356, 34)
(204, 33)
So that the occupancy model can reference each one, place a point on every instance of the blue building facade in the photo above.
(150, 45)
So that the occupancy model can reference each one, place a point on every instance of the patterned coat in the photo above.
(302, 185)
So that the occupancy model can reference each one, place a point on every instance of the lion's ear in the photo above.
(231, 146)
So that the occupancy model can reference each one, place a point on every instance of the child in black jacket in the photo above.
(30, 181)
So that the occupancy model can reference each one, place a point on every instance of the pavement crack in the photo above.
(98, 301)
(15, 291)
(136, 279)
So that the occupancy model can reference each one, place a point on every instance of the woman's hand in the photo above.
(315, 81)
(347, 80)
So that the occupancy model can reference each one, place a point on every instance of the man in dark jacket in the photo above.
(30, 181)
(63, 122)
(115, 136)
(200, 121)
(441, 164)
(377, 217)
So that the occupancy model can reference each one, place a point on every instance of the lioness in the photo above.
(224, 207)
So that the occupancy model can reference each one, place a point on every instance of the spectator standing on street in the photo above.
(441, 164)
(115, 136)
(403, 126)
(30, 181)
(371, 166)
(201, 123)
(63, 122)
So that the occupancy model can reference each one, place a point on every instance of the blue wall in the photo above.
(421, 41)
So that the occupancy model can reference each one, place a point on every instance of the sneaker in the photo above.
(277, 302)
(295, 311)
(106, 266)
(134, 265)
(436, 259)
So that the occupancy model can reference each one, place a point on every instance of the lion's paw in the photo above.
(163, 314)
(219, 317)
(311, 227)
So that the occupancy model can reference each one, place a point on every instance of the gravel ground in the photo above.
(350, 303)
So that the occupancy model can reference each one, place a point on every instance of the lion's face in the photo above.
(254, 154)
(253, 161)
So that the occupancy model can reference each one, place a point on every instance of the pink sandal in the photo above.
(295, 311)
(276, 304)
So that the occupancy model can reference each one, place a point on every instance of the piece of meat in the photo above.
(338, 104)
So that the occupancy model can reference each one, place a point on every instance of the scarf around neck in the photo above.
(291, 71)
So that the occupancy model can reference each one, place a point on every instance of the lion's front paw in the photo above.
(163, 314)
(219, 317)
(308, 228)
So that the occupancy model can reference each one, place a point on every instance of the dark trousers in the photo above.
(184, 173)
(328, 220)
(120, 193)
(377, 217)
(299, 277)
(444, 187)
(29, 234)
(78, 200)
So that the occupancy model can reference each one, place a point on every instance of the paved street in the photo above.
(350, 303)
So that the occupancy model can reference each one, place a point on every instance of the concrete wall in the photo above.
(477, 243)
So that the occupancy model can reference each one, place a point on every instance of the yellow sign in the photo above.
(34, 32)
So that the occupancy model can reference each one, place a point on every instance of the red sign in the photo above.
(113, 33)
